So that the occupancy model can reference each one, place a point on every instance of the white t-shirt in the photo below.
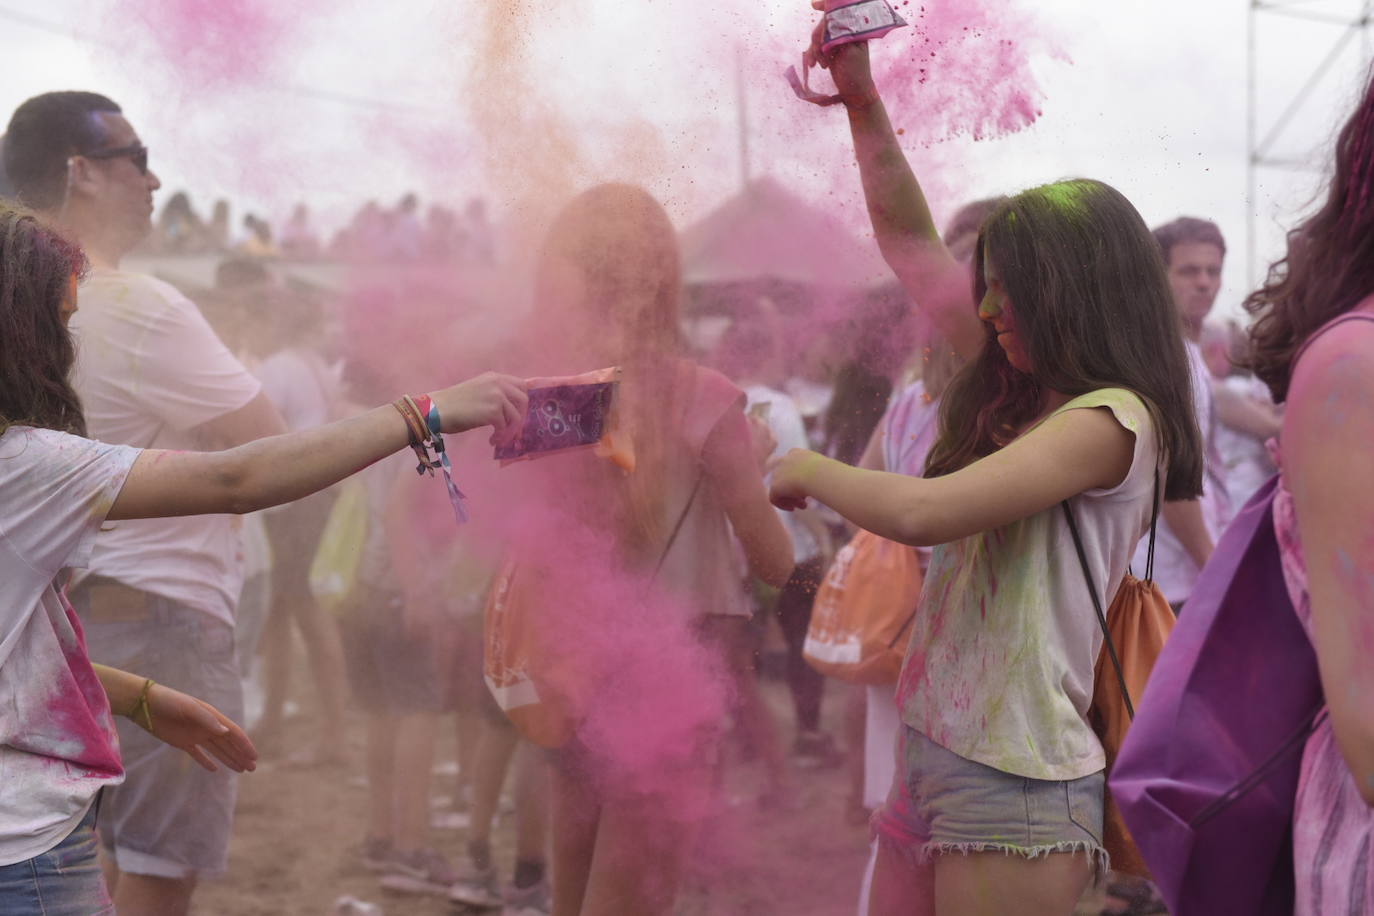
(1000, 665)
(1245, 460)
(1175, 572)
(149, 370)
(300, 385)
(785, 422)
(57, 738)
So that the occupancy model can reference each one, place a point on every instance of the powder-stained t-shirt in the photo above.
(1000, 665)
(57, 740)
(149, 371)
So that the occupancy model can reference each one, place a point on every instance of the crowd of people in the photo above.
(374, 233)
(188, 485)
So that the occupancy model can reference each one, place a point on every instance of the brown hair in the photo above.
(1093, 308)
(624, 248)
(36, 350)
(1187, 230)
(1329, 265)
(43, 133)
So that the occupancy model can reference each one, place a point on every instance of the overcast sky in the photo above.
(514, 99)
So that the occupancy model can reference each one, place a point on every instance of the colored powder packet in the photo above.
(846, 21)
(571, 412)
(857, 20)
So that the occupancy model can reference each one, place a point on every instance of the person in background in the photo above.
(306, 390)
(256, 241)
(1246, 414)
(638, 569)
(217, 230)
(751, 355)
(179, 229)
(298, 238)
(159, 595)
(1312, 342)
(1194, 251)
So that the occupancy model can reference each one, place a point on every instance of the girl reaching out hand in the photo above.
(1076, 389)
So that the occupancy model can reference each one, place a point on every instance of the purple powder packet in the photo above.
(561, 417)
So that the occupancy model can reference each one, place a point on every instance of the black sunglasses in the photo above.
(136, 153)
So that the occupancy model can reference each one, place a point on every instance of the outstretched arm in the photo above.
(902, 222)
(279, 469)
(1075, 451)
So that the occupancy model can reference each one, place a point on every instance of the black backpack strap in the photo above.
(1154, 524)
(1097, 604)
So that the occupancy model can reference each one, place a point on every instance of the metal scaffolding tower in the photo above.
(1353, 19)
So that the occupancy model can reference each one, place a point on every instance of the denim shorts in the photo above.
(170, 818)
(942, 803)
(64, 881)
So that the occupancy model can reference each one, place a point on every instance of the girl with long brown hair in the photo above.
(1313, 343)
(629, 562)
(1074, 391)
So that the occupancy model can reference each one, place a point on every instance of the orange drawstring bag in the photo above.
(1134, 630)
(863, 611)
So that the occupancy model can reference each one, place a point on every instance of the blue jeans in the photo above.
(64, 881)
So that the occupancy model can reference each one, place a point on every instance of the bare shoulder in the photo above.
(1334, 379)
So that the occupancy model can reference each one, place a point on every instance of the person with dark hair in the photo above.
(1313, 344)
(179, 228)
(157, 594)
(58, 490)
(1074, 402)
(1193, 251)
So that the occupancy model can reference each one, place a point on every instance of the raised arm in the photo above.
(902, 222)
(279, 469)
(1075, 451)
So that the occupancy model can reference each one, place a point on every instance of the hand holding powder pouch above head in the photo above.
(572, 412)
(845, 21)
(857, 20)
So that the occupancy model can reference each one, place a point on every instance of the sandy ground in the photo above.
(293, 849)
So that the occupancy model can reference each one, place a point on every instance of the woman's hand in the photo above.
(848, 64)
(490, 399)
(788, 489)
(196, 727)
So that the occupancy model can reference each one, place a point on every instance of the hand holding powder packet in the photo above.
(570, 412)
(845, 21)
(857, 20)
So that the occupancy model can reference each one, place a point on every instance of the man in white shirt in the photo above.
(1194, 251)
(161, 593)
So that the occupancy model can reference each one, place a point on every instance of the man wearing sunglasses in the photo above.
(161, 592)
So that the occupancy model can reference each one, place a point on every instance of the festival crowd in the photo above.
(980, 457)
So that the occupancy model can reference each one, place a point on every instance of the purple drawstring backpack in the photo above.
(1208, 773)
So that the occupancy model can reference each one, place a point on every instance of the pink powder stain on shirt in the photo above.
(73, 724)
